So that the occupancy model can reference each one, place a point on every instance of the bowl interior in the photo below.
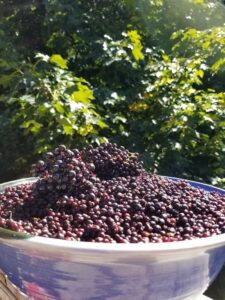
(209, 242)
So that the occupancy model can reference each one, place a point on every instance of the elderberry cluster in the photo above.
(112, 161)
(103, 194)
(63, 171)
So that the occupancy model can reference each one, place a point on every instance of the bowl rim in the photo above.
(163, 247)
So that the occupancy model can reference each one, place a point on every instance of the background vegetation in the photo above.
(147, 74)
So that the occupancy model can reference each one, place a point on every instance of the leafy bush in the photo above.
(167, 114)
(79, 71)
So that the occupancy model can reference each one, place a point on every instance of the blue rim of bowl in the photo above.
(203, 243)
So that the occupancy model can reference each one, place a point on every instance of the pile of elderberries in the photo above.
(103, 194)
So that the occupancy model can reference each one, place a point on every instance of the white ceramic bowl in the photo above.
(47, 268)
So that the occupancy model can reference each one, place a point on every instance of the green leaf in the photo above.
(166, 58)
(199, 1)
(176, 34)
(191, 33)
(200, 73)
(59, 107)
(102, 124)
(218, 64)
(58, 60)
(83, 94)
(84, 130)
(32, 126)
(137, 46)
(67, 125)
(68, 129)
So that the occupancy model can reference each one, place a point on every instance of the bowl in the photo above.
(46, 268)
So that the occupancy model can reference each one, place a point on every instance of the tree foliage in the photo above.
(146, 74)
